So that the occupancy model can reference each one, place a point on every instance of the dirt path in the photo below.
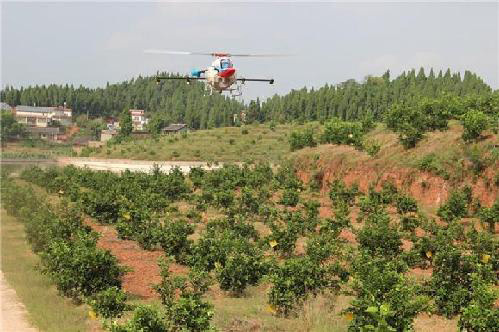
(118, 165)
(13, 314)
(144, 264)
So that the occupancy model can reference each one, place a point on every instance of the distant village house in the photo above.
(42, 117)
(45, 133)
(174, 128)
(139, 120)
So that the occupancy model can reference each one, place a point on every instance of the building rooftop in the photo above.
(5, 106)
(174, 127)
(34, 109)
(43, 130)
(41, 109)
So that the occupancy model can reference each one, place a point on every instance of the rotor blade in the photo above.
(188, 78)
(259, 55)
(270, 81)
(217, 54)
(151, 51)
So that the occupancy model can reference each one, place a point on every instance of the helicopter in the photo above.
(220, 76)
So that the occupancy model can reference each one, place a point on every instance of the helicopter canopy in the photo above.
(222, 63)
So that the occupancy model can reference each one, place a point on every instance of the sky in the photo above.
(92, 43)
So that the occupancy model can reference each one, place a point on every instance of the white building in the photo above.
(33, 116)
(139, 119)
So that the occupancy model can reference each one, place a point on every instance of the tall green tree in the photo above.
(126, 125)
(10, 127)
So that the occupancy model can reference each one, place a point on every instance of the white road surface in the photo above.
(119, 165)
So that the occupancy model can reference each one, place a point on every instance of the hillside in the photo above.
(230, 144)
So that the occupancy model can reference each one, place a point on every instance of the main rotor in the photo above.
(214, 54)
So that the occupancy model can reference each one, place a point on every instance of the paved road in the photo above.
(118, 165)
(13, 313)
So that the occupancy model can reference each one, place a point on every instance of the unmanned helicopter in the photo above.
(220, 76)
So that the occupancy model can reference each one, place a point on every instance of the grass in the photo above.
(451, 151)
(46, 309)
(34, 150)
(252, 313)
(228, 144)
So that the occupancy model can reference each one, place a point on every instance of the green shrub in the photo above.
(244, 131)
(290, 197)
(480, 315)
(490, 215)
(173, 239)
(381, 288)
(379, 238)
(452, 278)
(294, 281)
(372, 147)
(283, 239)
(144, 319)
(339, 193)
(430, 163)
(474, 122)
(301, 139)
(337, 131)
(109, 303)
(239, 271)
(456, 206)
(190, 313)
(79, 268)
(185, 308)
(406, 204)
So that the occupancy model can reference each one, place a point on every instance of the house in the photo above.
(5, 107)
(174, 128)
(112, 123)
(139, 120)
(46, 133)
(106, 135)
(33, 116)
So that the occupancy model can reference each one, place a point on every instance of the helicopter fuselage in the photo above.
(221, 74)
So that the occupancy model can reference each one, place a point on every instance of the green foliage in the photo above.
(109, 303)
(456, 206)
(474, 123)
(490, 215)
(431, 163)
(299, 140)
(385, 299)
(372, 147)
(406, 204)
(126, 125)
(79, 268)
(480, 315)
(188, 311)
(239, 271)
(294, 281)
(173, 239)
(290, 197)
(452, 278)
(9, 127)
(283, 239)
(68, 250)
(379, 238)
(343, 132)
(339, 193)
(145, 319)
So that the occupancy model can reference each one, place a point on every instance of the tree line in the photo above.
(174, 101)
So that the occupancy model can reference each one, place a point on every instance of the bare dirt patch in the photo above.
(144, 264)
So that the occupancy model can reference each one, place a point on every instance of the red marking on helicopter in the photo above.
(227, 72)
